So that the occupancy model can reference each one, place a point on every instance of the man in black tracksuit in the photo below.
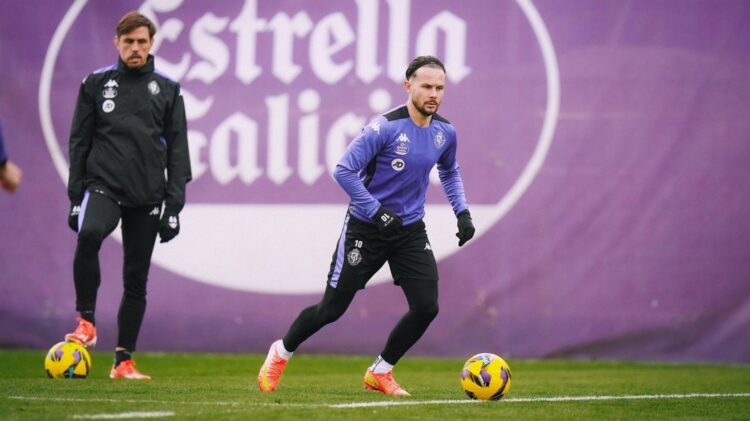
(129, 127)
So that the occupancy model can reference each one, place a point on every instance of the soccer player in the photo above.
(385, 172)
(129, 127)
(10, 173)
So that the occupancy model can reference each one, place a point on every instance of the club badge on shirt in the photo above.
(439, 139)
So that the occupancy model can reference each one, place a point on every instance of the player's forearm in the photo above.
(352, 185)
(179, 172)
(175, 199)
(453, 187)
(78, 154)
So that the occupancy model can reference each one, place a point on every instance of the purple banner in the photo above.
(602, 147)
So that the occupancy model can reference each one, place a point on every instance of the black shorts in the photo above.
(362, 250)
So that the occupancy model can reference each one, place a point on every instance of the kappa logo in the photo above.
(375, 126)
(155, 211)
(427, 246)
(111, 84)
(402, 144)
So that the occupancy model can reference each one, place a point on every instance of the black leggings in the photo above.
(99, 217)
(421, 295)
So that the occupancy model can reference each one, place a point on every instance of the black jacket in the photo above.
(129, 126)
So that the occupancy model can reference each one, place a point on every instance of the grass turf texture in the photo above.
(223, 386)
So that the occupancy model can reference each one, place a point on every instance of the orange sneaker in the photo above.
(127, 370)
(85, 333)
(270, 371)
(383, 383)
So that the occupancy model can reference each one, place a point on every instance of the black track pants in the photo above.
(422, 296)
(99, 217)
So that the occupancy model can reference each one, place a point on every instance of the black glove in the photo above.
(75, 210)
(169, 226)
(387, 221)
(465, 227)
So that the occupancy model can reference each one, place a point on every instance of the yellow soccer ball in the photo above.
(67, 360)
(485, 376)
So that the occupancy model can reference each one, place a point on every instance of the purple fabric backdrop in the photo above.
(603, 145)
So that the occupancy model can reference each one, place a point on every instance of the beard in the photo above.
(422, 110)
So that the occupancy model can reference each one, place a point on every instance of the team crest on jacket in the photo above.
(439, 139)
(402, 144)
(109, 91)
(153, 87)
(354, 257)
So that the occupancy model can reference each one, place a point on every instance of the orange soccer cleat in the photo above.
(127, 370)
(383, 383)
(270, 371)
(85, 333)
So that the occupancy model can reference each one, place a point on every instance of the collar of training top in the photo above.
(146, 68)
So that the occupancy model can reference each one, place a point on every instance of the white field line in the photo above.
(121, 415)
(394, 403)
(159, 402)
(547, 399)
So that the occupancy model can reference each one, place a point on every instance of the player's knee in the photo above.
(136, 275)
(427, 311)
(333, 305)
(90, 237)
(135, 289)
(329, 314)
(134, 297)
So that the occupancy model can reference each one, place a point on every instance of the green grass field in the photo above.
(314, 387)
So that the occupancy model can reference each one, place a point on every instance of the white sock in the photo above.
(380, 366)
(283, 353)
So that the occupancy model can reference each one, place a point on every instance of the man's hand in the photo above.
(169, 226)
(465, 227)
(10, 176)
(75, 210)
(387, 221)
